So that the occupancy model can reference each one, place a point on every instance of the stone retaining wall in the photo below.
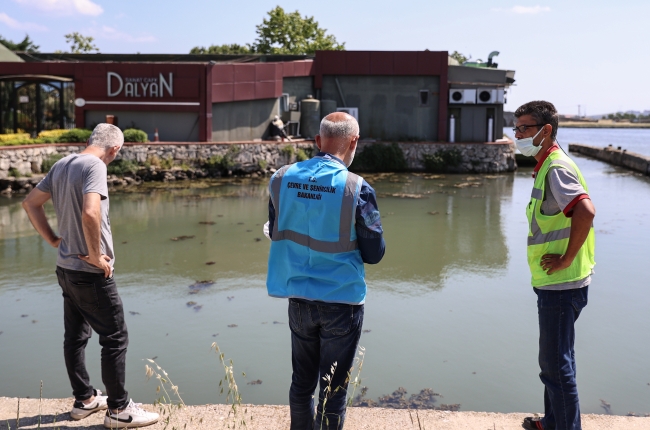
(249, 157)
(617, 157)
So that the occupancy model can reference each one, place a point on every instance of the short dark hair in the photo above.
(543, 112)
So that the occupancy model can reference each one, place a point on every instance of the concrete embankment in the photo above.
(54, 414)
(616, 156)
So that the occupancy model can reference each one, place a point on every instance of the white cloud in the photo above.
(17, 25)
(530, 10)
(114, 34)
(66, 7)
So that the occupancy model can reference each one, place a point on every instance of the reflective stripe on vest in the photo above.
(348, 206)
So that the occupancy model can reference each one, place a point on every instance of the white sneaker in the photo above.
(131, 416)
(81, 410)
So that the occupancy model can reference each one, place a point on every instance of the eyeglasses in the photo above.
(523, 128)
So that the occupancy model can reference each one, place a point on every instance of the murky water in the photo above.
(449, 308)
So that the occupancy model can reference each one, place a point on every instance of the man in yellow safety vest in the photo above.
(561, 258)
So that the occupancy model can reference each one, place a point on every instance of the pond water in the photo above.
(449, 308)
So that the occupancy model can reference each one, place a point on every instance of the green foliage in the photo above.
(13, 172)
(75, 135)
(442, 160)
(290, 33)
(49, 162)
(379, 157)
(135, 135)
(233, 48)
(223, 163)
(121, 167)
(459, 57)
(262, 164)
(301, 155)
(80, 44)
(287, 151)
(627, 116)
(282, 33)
(26, 45)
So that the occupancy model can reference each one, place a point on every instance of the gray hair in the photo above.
(106, 136)
(339, 129)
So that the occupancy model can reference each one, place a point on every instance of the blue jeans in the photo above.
(558, 312)
(321, 334)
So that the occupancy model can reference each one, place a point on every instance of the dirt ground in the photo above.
(54, 415)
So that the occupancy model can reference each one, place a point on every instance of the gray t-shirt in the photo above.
(68, 180)
(562, 188)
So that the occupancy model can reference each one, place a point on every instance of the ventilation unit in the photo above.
(490, 96)
(350, 111)
(462, 96)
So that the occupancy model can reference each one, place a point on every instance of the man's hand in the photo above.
(101, 262)
(56, 242)
(552, 263)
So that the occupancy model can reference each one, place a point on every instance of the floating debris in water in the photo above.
(200, 285)
(125, 242)
(219, 215)
(240, 223)
(215, 335)
(478, 196)
(166, 264)
(277, 322)
(248, 231)
(264, 322)
(425, 399)
(433, 213)
(258, 239)
(190, 304)
(232, 325)
(207, 222)
(230, 298)
(404, 195)
(198, 307)
(24, 316)
(154, 357)
(210, 263)
(176, 239)
(367, 331)
(255, 382)
(467, 184)
(1, 332)
(434, 177)
(34, 321)
(473, 373)
(134, 313)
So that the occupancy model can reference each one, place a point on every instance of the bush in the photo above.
(13, 137)
(48, 134)
(442, 160)
(379, 157)
(135, 135)
(75, 135)
(121, 167)
(301, 155)
(49, 162)
(223, 163)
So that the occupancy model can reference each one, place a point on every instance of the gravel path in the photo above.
(54, 415)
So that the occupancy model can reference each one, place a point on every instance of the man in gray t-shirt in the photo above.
(77, 186)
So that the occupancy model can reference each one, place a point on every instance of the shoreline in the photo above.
(271, 417)
(576, 124)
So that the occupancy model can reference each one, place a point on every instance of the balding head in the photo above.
(339, 133)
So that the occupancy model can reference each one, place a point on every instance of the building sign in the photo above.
(139, 87)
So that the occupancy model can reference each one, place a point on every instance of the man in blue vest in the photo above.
(324, 224)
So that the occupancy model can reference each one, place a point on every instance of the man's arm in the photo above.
(368, 226)
(91, 217)
(33, 205)
(584, 213)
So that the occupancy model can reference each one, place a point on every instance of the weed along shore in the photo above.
(53, 414)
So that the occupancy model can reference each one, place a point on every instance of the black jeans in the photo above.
(321, 334)
(91, 302)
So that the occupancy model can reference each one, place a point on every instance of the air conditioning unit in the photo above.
(464, 96)
(490, 96)
(350, 111)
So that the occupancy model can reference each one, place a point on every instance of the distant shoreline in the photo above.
(576, 124)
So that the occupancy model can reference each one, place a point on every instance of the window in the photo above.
(424, 97)
(283, 106)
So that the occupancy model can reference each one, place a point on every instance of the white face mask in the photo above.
(526, 146)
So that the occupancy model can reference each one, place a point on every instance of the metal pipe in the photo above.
(452, 129)
(340, 92)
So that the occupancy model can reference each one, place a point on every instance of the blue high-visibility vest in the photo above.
(314, 253)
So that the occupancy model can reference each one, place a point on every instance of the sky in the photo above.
(572, 52)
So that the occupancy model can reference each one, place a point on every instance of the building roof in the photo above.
(156, 58)
(7, 56)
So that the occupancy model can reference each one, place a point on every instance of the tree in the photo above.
(459, 57)
(281, 33)
(80, 44)
(26, 45)
(290, 33)
(223, 49)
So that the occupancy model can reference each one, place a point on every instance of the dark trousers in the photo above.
(91, 302)
(558, 312)
(321, 334)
